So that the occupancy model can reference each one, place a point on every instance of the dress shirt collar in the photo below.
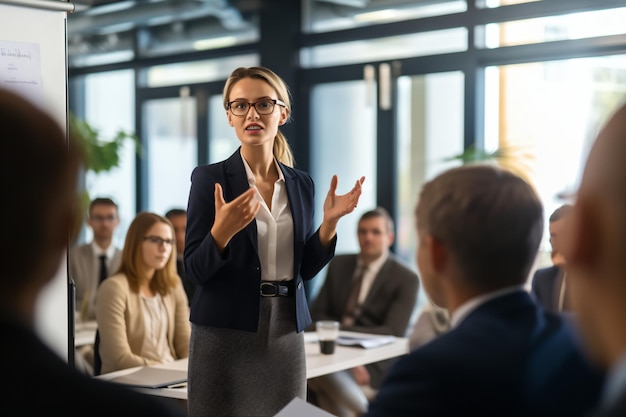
(97, 250)
(615, 383)
(370, 275)
(472, 304)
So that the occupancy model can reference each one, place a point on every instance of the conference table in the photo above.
(317, 364)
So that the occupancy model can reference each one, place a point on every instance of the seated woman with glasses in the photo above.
(142, 310)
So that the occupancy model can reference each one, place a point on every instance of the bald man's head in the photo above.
(595, 249)
(604, 180)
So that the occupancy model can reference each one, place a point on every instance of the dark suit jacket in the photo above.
(507, 358)
(387, 308)
(228, 295)
(546, 287)
(36, 382)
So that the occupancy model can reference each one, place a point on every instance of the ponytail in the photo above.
(282, 151)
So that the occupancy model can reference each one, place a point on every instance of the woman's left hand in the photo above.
(337, 206)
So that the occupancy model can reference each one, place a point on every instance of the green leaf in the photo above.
(100, 154)
(471, 154)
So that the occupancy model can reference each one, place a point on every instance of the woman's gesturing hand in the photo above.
(337, 206)
(232, 217)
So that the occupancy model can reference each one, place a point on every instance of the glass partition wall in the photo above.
(390, 89)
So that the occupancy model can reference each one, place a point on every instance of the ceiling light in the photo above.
(213, 43)
(377, 16)
(351, 3)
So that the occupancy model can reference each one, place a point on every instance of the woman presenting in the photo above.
(250, 243)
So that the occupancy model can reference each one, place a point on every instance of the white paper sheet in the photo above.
(300, 408)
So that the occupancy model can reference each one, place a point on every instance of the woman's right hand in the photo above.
(232, 217)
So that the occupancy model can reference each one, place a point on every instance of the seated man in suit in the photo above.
(40, 175)
(548, 284)
(92, 262)
(479, 228)
(595, 259)
(89, 265)
(178, 217)
(369, 292)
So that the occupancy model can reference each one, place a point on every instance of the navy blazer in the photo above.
(228, 293)
(507, 358)
(546, 287)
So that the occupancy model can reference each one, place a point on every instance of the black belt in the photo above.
(277, 288)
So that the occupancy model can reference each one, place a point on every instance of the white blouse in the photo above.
(274, 230)
(155, 344)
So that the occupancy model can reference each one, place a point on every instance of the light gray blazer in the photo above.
(85, 271)
(122, 325)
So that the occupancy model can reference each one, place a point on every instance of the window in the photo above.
(325, 16)
(222, 138)
(545, 116)
(109, 107)
(430, 111)
(346, 149)
(498, 3)
(393, 47)
(195, 71)
(556, 28)
(172, 149)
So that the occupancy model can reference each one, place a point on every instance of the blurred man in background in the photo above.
(178, 217)
(92, 262)
(549, 285)
(369, 292)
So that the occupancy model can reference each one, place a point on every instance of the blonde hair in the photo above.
(132, 256)
(282, 151)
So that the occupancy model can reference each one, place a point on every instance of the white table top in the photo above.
(317, 364)
(346, 357)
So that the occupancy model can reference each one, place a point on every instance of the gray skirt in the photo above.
(237, 373)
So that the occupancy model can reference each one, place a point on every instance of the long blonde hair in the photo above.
(281, 150)
(132, 262)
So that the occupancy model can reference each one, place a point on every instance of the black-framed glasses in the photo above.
(265, 106)
(158, 241)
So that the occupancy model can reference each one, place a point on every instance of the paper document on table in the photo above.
(298, 408)
(149, 377)
(366, 341)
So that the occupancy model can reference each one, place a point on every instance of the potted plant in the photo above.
(99, 154)
(513, 158)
